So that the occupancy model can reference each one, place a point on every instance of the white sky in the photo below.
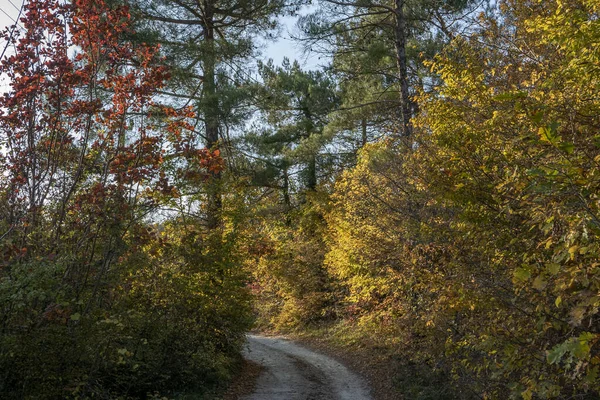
(9, 9)
(286, 47)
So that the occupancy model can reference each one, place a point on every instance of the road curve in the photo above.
(292, 372)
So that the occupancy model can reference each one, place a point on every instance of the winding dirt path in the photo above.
(293, 372)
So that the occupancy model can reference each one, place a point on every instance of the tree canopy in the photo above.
(430, 195)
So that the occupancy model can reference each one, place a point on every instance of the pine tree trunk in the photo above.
(211, 115)
(364, 132)
(286, 197)
(311, 182)
(400, 44)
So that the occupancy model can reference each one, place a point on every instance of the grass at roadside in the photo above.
(390, 372)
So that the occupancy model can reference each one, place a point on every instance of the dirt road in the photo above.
(293, 372)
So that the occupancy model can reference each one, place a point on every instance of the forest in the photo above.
(429, 194)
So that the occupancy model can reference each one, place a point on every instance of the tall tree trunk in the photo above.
(286, 197)
(400, 44)
(364, 132)
(311, 180)
(311, 173)
(211, 114)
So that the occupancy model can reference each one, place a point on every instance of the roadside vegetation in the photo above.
(428, 200)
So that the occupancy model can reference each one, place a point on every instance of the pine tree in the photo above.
(208, 45)
(378, 49)
(294, 108)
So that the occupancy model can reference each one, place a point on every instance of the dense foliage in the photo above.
(100, 295)
(471, 248)
(433, 193)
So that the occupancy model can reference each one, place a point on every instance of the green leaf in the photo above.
(581, 347)
(567, 147)
(537, 117)
(76, 317)
(573, 251)
(522, 274)
(539, 282)
(592, 375)
(553, 268)
(549, 134)
(554, 356)
(536, 172)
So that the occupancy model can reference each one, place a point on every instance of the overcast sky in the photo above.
(286, 47)
(9, 11)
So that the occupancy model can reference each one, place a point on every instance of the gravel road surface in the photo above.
(293, 372)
